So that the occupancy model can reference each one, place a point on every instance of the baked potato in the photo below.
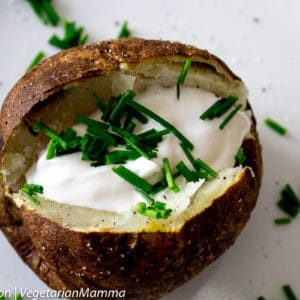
(72, 246)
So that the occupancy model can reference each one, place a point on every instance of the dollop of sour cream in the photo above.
(68, 179)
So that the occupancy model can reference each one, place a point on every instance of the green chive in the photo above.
(132, 142)
(51, 149)
(36, 6)
(162, 184)
(261, 298)
(169, 176)
(275, 126)
(189, 156)
(133, 179)
(130, 126)
(30, 191)
(182, 75)
(282, 221)
(207, 168)
(230, 116)
(120, 156)
(120, 106)
(32, 188)
(72, 37)
(148, 198)
(240, 157)
(184, 170)
(218, 108)
(223, 108)
(69, 135)
(152, 212)
(109, 107)
(157, 118)
(101, 104)
(91, 122)
(124, 31)
(148, 212)
(108, 138)
(289, 292)
(38, 58)
(156, 134)
(288, 192)
(53, 135)
(289, 201)
(159, 205)
(45, 11)
(50, 12)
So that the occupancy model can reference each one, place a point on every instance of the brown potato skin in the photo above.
(145, 264)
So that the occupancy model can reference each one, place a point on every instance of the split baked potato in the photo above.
(71, 247)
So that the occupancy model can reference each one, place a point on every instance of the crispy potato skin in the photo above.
(145, 264)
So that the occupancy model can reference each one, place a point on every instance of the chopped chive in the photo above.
(101, 104)
(120, 156)
(120, 106)
(289, 292)
(109, 108)
(207, 168)
(282, 221)
(157, 118)
(169, 176)
(210, 112)
(240, 157)
(147, 197)
(69, 135)
(146, 133)
(182, 75)
(156, 134)
(75, 143)
(139, 116)
(275, 126)
(289, 201)
(152, 212)
(224, 107)
(148, 212)
(44, 11)
(184, 170)
(51, 149)
(108, 138)
(159, 205)
(130, 126)
(32, 188)
(261, 298)
(72, 37)
(91, 122)
(201, 175)
(50, 12)
(230, 116)
(189, 156)
(30, 191)
(124, 31)
(133, 179)
(53, 135)
(38, 58)
(85, 140)
(36, 7)
(132, 142)
(288, 192)
(218, 108)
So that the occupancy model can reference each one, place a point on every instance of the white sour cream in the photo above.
(69, 180)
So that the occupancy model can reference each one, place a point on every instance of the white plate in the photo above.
(260, 40)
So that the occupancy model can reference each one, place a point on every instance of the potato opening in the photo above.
(59, 112)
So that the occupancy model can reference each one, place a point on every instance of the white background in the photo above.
(260, 41)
